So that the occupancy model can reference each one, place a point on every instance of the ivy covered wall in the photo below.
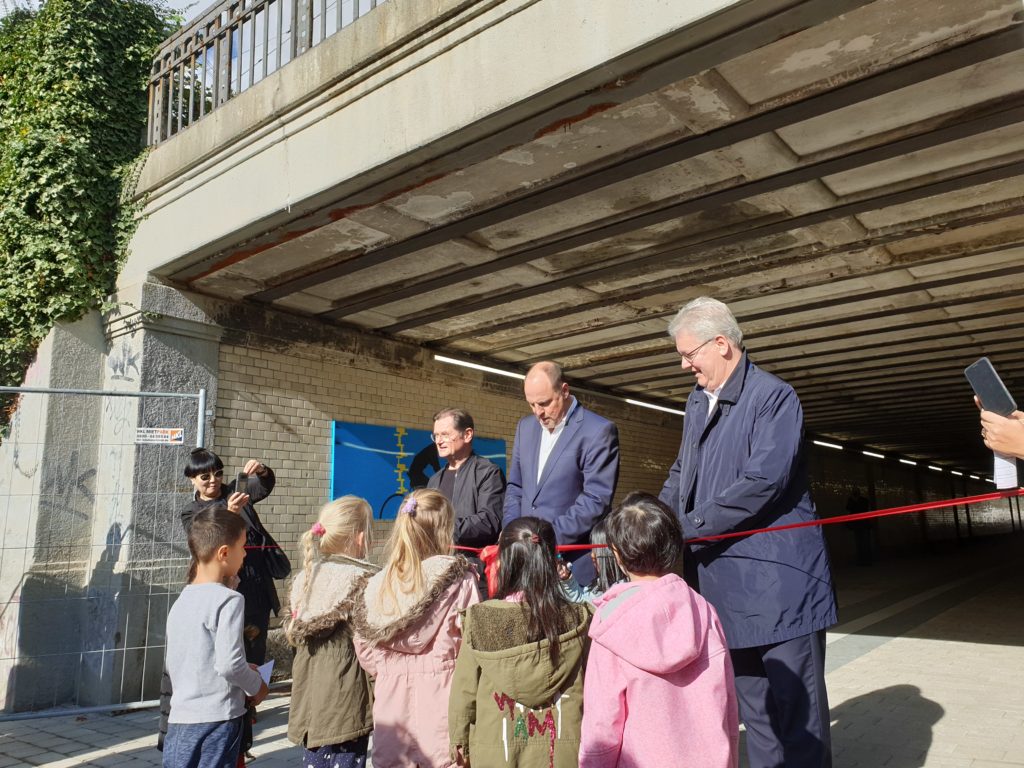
(72, 119)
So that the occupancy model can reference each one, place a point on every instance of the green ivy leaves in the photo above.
(72, 116)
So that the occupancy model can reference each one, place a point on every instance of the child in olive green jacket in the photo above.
(331, 714)
(517, 693)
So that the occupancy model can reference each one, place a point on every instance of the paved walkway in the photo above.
(927, 669)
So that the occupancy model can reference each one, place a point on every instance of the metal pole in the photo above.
(201, 420)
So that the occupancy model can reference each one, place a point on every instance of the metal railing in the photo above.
(231, 47)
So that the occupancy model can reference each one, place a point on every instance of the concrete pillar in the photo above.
(158, 342)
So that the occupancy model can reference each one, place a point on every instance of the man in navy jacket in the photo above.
(565, 464)
(742, 466)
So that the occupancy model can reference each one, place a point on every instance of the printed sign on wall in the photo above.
(382, 464)
(160, 435)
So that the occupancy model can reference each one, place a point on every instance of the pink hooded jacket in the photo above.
(410, 648)
(659, 687)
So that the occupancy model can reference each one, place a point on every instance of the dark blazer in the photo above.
(746, 468)
(576, 488)
(478, 496)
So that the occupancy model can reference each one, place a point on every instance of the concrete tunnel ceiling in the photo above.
(852, 190)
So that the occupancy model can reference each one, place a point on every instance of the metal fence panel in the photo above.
(93, 553)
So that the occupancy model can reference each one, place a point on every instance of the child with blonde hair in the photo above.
(407, 633)
(332, 699)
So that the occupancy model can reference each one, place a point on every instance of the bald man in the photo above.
(565, 464)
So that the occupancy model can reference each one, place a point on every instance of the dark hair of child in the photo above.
(646, 535)
(202, 460)
(212, 528)
(608, 571)
(527, 564)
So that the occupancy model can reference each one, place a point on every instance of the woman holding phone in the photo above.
(264, 560)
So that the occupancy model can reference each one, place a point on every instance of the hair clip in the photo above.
(535, 538)
(318, 529)
(409, 508)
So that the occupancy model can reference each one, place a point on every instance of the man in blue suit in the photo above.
(565, 464)
(742, 466)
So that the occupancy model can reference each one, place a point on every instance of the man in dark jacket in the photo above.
(742, 466)
(474, 485)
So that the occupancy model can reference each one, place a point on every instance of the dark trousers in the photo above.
(783, 704)
(255, 653)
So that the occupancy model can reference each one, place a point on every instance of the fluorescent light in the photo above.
(975, 477)
(655, 407)
(937, 469)
(954, 472)
(908, 462)
(990, 480)
(873, 455)
(478, 367)
(823, 444)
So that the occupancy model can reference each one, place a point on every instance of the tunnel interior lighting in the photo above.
(932, 466)
(908, 462)
(873, 455)
(975, 477)
(478, 367)
(654, 407)
(823, 444)
(954, 472)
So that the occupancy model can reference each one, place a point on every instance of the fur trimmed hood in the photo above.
(411, 625)
(331, 596)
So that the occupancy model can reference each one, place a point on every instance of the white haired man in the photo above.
(741, 466)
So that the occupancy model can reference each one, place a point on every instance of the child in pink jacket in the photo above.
(659, 681)
(407, 633)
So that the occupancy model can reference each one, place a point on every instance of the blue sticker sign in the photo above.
(383, 463)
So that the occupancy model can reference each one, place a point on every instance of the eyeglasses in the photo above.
(206, 476)
(689, 356)
(446, 437)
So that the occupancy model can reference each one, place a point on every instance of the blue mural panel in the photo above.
(383, 463)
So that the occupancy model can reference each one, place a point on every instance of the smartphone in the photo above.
(989, 388)
(242, 483)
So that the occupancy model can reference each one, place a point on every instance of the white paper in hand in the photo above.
(266, 670)
(1004, 471)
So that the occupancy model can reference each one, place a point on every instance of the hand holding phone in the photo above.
(992, 393)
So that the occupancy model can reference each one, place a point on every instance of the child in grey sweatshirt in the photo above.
(205, 655)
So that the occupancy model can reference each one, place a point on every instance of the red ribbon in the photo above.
(489, 554)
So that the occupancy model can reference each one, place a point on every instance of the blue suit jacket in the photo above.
(741, 469)
(577, 485)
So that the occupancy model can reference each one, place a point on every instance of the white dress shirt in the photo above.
(712, 402)
(548, 439)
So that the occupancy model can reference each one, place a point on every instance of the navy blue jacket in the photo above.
(746, 469)
(576, 488)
